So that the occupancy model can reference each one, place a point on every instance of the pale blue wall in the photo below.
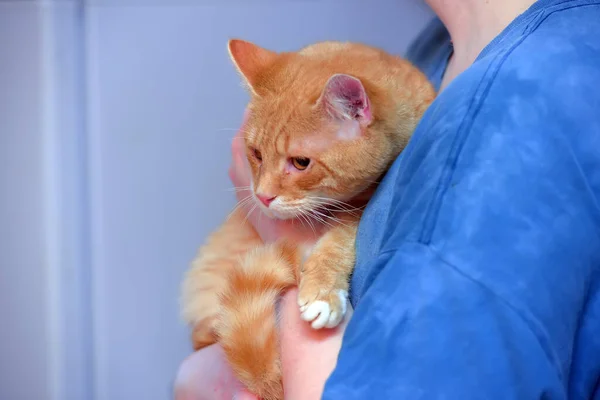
(23, 291)
(116, 118)
(45, 339)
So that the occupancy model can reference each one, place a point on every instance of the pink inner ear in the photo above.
(345, 98)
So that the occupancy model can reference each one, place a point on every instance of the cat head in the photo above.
(312, 137)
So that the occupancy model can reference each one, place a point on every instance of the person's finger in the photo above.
(238, 168)
(244, 395)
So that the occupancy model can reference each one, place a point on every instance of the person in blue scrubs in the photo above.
(478, 272)
(478, 258)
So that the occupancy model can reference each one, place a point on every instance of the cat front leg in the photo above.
(324, 281)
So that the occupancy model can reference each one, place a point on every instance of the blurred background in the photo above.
(115, 124)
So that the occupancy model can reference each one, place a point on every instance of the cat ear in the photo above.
(250, 60)
(345, 98)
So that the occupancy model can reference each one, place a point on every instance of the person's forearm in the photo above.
(308, 355)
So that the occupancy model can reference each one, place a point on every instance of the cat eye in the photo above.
(257, 154)
(300, 163)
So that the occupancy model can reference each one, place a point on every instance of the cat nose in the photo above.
(266, 199)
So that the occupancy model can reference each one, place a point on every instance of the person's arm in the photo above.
(480, 287)
(458, 338)
(308, 357)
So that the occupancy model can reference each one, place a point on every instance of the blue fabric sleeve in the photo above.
(458, 340)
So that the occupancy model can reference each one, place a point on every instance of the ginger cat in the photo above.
(325, 123)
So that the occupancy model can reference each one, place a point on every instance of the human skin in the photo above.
(308, 355)
(308, 358)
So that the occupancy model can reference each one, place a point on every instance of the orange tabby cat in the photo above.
(325, 123)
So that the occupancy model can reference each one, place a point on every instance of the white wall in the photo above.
(115, 121)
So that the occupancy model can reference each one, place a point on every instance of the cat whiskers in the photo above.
(325, 219)
(324, 210)
(309, 215)
(321, 218)
(299, 217)
(259, 220)
(232, 129)
(303, 216)
(235, 138)
(238, 188)
(237, 130)
(334, 205)
(249, 213)
(241, 203)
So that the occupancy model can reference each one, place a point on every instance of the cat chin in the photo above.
(278, 215)
(282, 215)
(273, 213)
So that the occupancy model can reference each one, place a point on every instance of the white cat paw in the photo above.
(327, 311)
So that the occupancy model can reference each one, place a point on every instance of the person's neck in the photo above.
(473, 24)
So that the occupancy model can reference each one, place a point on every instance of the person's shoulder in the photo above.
(530, 94)
(542, 81)
(546, 68)
(558, 50)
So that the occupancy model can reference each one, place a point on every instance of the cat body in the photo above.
(324, 125)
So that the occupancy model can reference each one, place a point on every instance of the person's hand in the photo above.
(268, 229)
(205, 375)
(308, 357)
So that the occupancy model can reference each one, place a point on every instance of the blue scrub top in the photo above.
(478, 259)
